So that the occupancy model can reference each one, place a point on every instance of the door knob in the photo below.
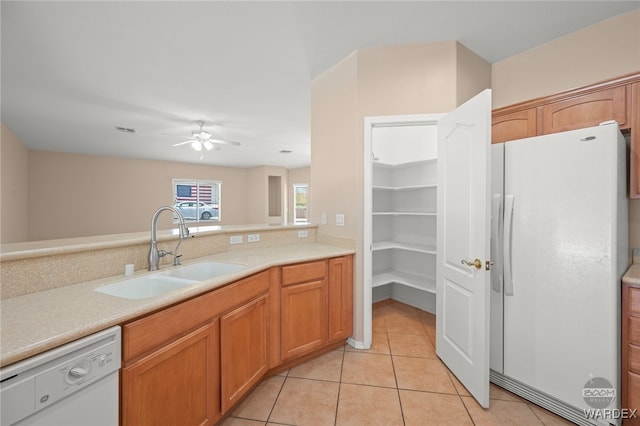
(477, 263)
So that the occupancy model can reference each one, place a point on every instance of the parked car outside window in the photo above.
(197, 210)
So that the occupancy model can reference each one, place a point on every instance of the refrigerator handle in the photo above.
(508, 230)
(496, 242)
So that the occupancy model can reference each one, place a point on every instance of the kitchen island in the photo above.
(205, 345)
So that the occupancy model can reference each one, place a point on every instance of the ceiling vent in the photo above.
(125, 129)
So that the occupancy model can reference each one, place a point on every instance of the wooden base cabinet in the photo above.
(304, 298)
(630, 377)
(189, 364)
(340, 298)
(317, 305)
(175, 385)
(244, 338)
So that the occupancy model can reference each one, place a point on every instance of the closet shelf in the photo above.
(404, 213)
(420, 282)
(381, 165)
(405, 188)
(420, 248)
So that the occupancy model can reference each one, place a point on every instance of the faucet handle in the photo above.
(163, 253)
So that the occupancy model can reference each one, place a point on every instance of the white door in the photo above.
(463, 284)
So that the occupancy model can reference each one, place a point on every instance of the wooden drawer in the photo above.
(304, 272)
(633, 332)
(634, 300)
(633, 358)
(633, 391)
(152, 331)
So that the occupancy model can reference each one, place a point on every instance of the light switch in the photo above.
(339, 220)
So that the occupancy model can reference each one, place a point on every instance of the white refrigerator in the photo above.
(560, 247)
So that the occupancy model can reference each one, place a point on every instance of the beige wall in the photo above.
(51, 195)
(415, 79)
(14, 159)
(473, 74)
(602, 51)
(296, 176)
(599, 52)
(257, 194)
(82, 195)
(334, 146)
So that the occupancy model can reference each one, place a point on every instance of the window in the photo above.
(300, 203)
(197, 200)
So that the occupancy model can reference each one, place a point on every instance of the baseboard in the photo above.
(546, 401)
(357, 344)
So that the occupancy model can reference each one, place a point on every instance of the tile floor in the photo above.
(399, 381)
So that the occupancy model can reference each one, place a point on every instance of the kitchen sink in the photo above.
(145, 286)
(166, 281)
(203, 270)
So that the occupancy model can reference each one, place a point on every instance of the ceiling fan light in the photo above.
(208, 145)
(205, 135)
(196, 145)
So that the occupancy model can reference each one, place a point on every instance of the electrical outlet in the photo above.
(324, 218)
(236, 239)
(303, 233)
(339, 220)
(253, 238)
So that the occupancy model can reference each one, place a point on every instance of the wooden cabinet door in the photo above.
(514, 125)
(244, 337)
(340, 297)
(634, 160)
(586, 110)
(304, 317)
(175, 385)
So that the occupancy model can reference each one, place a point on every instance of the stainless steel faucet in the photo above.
(154, 253)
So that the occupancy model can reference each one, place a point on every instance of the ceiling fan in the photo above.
(202, 138)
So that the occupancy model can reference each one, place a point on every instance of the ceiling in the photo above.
(73, 71)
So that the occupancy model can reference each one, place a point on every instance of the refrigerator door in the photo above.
(561, 321)
(496, 302)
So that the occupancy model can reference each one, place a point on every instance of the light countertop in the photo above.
(632, 276)
(29, 249)
(36, 322)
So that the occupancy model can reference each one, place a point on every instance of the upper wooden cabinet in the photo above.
(634, 160)
(617, 99)
(515, 125)
(586, 111)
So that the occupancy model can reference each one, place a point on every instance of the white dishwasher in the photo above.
(72, 385)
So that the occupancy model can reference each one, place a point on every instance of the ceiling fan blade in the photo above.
(174, 135)
(224, 142)
(182, 143)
